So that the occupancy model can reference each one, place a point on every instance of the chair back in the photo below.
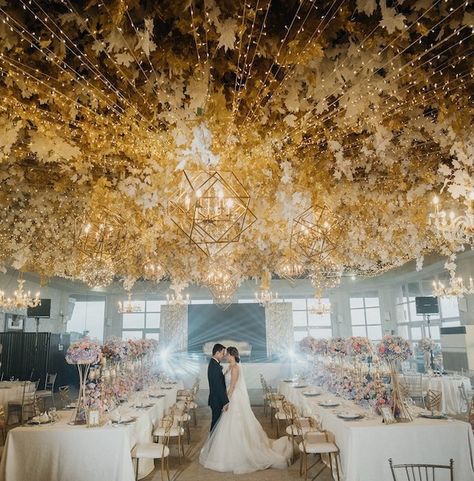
(413, 385)
(466, 402)
(64, 395)
(433, 400)
(49, 381)
(422, 472)
(471, 413)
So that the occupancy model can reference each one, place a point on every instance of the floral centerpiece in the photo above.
(426, 344)
(306, 344)
(337, 346)
(393, 350)
(115, 349)
(359, 347)
(83, 353)
(320, 346)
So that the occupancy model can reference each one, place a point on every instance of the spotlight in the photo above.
(291, 353)
(164, 354)
(353, 277)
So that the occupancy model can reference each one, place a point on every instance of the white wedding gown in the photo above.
(238, 442)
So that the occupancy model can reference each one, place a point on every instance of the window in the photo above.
(306, 322)
(365, 316)
(87, 317)
(414, 326)
(145, 323)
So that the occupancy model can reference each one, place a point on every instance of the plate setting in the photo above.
(311, 393)
(329, 404)
(300, 386)
(432, 415)
(349, 416)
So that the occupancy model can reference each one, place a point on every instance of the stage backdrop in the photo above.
(239, 322)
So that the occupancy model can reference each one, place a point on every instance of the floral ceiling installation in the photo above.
(361, 108)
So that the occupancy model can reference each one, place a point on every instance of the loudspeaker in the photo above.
(426, 305)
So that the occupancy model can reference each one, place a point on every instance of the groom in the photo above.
(218, 400)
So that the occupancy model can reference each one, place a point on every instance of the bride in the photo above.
(238, 442)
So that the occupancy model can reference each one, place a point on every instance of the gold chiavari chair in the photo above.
(3, 423)
(175, 431)
(275, 402)
(26, 407)
(318, 443)
(184, 418)
(433, 400)
(155, 451)
(284, 414)
(301, 425)
(64, 395)
(420, 472)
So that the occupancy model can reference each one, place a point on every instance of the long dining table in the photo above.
(61, 451)
(366, 445)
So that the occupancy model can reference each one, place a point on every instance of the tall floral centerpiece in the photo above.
(360, 349)
(393, 350)
(306, 345)
(83, 354)
(427, 346)
(337, 349)
(320, 346)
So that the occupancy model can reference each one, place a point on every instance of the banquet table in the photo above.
(60, 451)
(367, 444)
(451, 401)
(10, 391)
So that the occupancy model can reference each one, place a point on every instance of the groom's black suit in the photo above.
(217, 390)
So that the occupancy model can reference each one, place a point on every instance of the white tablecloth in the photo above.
(451, 401)
(10, 391)
(60, 452)
(366, 445)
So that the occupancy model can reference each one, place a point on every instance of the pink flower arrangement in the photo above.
(306, 344)
(115, 349)
(394, 348)
(337, 346)
(320, 346)
(138, 348)
(426, 344)
(359, 347)
(84, 351)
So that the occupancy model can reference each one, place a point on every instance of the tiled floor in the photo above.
(191, 470)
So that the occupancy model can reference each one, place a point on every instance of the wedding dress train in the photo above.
(238, 442)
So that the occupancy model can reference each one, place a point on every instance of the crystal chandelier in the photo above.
(222, 281)
(457, 230)
(316, 232)
(128, 307)
(97, 271)
(178, 299)
(325, 276)
(212, 209)
(289, 267)
(20, 299)
(154, 271)
(455, 287)
(320, 309)
(265, 296)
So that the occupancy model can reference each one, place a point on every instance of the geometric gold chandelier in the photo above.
(211, 208)
(316, 232)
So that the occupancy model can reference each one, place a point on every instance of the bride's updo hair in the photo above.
(233, 351)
